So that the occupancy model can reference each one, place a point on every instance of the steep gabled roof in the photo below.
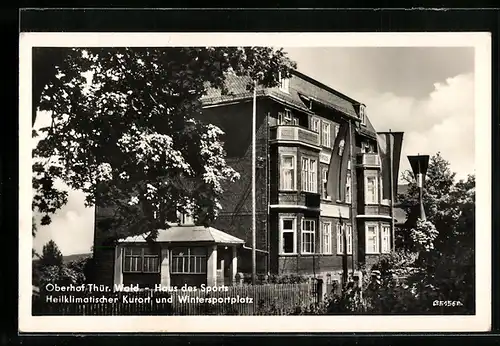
(367, 129)
(300, 85)
(237, 88)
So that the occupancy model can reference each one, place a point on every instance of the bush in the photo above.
(275, 279)
(74, 272)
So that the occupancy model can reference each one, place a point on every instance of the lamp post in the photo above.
(419, 165)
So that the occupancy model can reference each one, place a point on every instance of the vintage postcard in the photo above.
(257, 182)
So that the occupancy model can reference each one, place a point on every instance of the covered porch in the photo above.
(181, 255)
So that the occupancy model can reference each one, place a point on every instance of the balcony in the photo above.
(294, 133)
(368, 160)
(382, 210)
(301, 199)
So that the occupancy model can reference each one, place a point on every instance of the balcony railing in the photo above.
(294, 133)
(369, 159)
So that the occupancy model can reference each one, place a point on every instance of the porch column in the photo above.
(234, 265)
(118, 266)
(212, 266)
(165, 267)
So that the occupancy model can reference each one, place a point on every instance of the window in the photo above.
(341, 242)
(187, 260)
(327, 238)
(348, 229)
(285, 117)
(284, 84)
(371, 190)
(386, 239)
(324, 180)
(315, 124)
(337, 128)
(141, 260)
(288, 242)
(362, 114)
(185, 219)
(308, 232)
(325, 136)
(348, 188)
(372, 239)
(287, 176)
(309, 175)
(366, 148)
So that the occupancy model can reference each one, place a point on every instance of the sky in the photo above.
(426, 92)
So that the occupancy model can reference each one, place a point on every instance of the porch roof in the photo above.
(184, 234)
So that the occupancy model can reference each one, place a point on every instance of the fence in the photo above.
(269, 299)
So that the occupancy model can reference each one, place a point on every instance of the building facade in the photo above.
(300, 228)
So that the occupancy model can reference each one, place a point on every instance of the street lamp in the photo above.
(419, 165)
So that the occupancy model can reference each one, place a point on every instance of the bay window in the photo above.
(372, 239)
(371, 189)
(288, 241)
(309, 175)
(386, 239)
(308, 231)
(287, 174)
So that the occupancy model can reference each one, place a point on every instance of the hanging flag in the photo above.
(389, 149)
(339, 160)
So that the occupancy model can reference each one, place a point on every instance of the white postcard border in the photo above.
(177, 324)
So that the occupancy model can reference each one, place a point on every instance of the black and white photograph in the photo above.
(265, 175)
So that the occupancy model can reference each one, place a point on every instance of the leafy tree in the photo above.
(449, 206)
(125, 130)
(34, 229)
(50, 268)
(443, 249)
(78, 271)
(51, 255)
(49, 264)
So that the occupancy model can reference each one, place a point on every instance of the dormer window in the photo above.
(362, 114)
(366, 148)
(286, 118)
(284, 84)
(185, 219)
(314, 124)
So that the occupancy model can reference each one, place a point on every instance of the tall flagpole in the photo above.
(254, 127)
(391, 158)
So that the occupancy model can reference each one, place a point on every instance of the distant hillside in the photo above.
(74, 257)
(69, 258)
